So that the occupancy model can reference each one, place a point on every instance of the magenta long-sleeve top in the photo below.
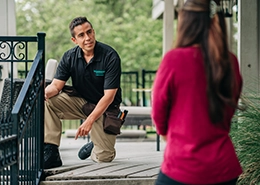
(197, 151)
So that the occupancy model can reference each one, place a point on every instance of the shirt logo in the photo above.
(99, 72)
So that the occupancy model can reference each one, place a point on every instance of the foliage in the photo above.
(125, 25)
(245, 134)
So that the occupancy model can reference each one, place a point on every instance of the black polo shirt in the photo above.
(91, 79)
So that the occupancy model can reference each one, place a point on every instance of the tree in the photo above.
(126, 25)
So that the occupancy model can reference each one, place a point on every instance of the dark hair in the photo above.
(197, 27)
(77, 21)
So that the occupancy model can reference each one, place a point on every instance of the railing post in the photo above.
(41, 41)
(143, 86)
(15, 168)
(137, 84)
(41, 46)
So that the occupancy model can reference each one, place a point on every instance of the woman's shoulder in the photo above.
(183, 50)
(183, 53)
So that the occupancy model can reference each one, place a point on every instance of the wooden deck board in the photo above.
(153, 172)
(135, 170)
(105, 170)
(91, 166)
(133, 161)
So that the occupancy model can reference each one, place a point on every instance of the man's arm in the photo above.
(54, 88)
(100, 108)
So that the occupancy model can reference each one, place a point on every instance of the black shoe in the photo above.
(51, 156)
(85, 151)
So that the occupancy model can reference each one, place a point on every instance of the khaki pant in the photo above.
(63, 106)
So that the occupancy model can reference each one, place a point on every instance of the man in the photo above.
(95, 70)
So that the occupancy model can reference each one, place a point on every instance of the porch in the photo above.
(136, 162)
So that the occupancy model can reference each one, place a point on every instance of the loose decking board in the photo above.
(108, 171)
(133, 161)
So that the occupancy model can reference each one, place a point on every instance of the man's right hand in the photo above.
(54, 88)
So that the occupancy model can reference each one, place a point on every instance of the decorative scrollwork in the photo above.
(31, 96)
(4, 46)
(21, 48)
(10, 50)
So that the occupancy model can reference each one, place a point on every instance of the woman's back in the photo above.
(197, 151)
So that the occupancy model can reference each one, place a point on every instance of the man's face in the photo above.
(84, 37)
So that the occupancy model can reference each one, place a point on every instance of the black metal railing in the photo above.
(147, 82)
(22, 113)
(130, 81)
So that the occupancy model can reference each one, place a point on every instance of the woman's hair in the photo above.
(77, 21)
(198, 26)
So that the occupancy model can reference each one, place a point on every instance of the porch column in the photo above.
(8, 27)
(165, 9)
(168, 20)
(249, 43)
(229, 23)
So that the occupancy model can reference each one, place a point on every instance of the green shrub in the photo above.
(245, 134)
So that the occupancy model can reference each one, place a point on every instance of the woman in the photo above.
(195, 95)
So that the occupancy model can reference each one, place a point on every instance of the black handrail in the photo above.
(21, 126)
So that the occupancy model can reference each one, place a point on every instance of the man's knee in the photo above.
(103, 157)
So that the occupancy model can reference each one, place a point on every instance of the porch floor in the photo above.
(136, 162)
